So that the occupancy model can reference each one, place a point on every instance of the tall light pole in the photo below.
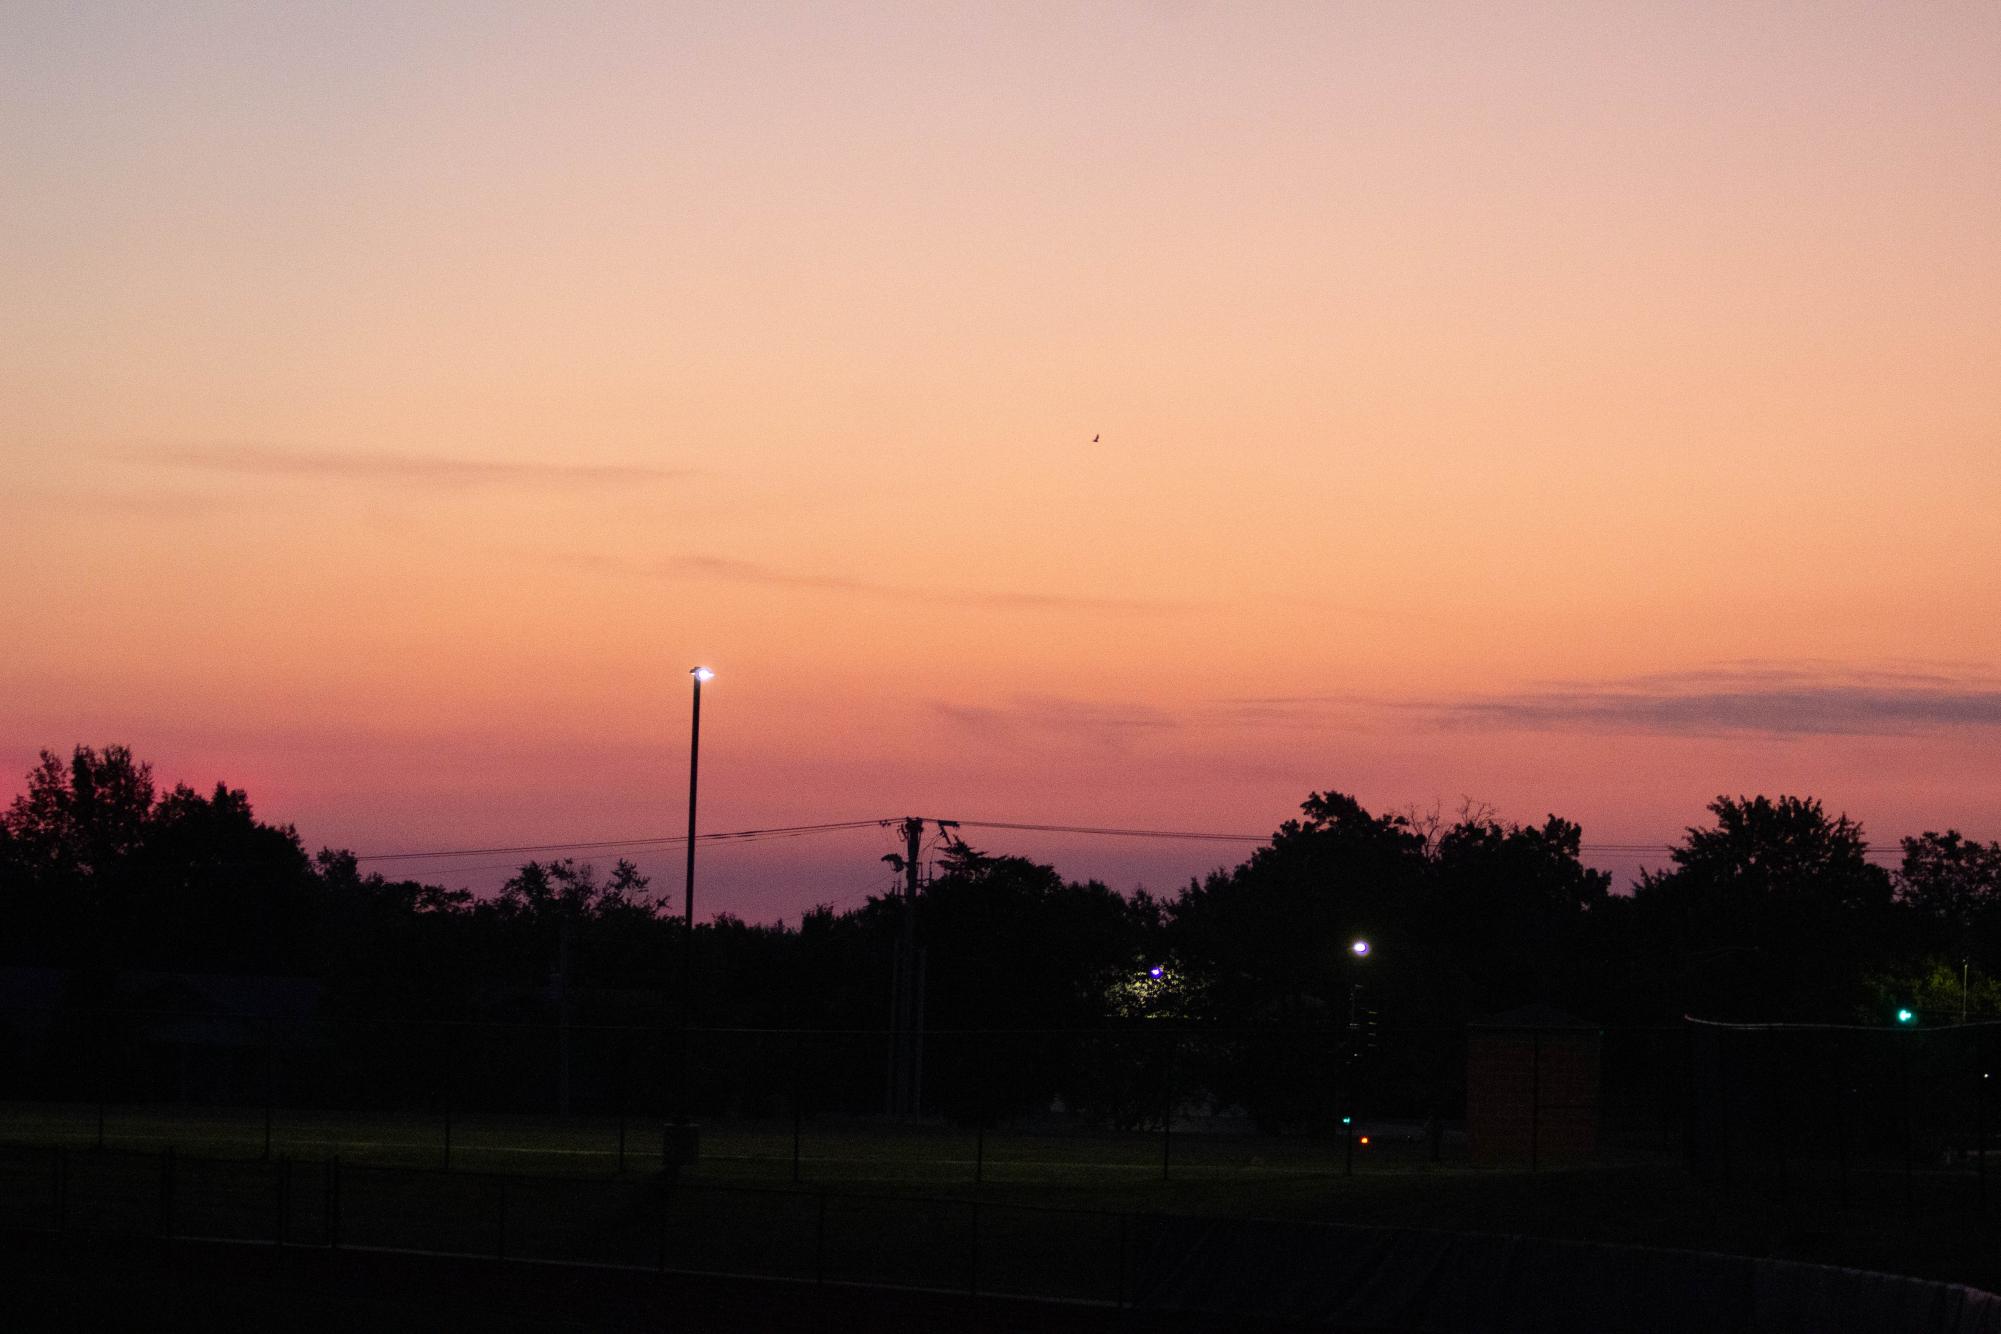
(1351, 1051)
(1358, 951)
(681, 1142)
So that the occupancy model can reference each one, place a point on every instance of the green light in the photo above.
(1906, 1017)
(1347, 1120)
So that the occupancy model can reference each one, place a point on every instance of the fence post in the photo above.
(284, 1200)
(798, 1044)
(102, 1027)
(1725, 1091)
(973, 1256)
(167, 1191)
(1904, 1085)
(1980, 1122)
(333, 1202)
(1660, 1063)
(985, 1111)
(61, 1205)
(270, 1088)
(1167, 1108)
(1840, 1118)
(820, 1241)
(447, 1068)
(1775, 1055)
(624, 1077)
(1535, 1100)
(1119, 1277)
(1688, 1097)
(500, 1222)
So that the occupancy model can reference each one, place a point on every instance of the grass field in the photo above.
(882, 1179)
(856, 1151)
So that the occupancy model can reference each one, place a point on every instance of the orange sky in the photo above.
(1580, 408)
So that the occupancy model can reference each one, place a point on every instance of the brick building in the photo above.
(1532, 1087)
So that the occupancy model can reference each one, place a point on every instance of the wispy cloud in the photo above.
(431, 470)
(170, 503)
(1091, 721)
(1774, 699)
(730, 570)
(1810, 672)
(1290, 710)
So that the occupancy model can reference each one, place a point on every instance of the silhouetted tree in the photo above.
(1953, 885)
(1012, 946)
(1268, 942)
(1266, 947)
(103, 874)
(76, 824)
(1512, 907)
(1037, 987)
(213, 889)
(1774, 913)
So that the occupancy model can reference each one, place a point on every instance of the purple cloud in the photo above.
(404, 469)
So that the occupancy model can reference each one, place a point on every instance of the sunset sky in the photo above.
(1585, 409)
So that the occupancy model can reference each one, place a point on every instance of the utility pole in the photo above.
(565, 1013)
(680, 1140)
(906, 1000)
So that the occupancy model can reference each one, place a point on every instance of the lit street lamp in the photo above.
(1359, 950)
(1351, 1050)
(700, 674)
(680, 1146)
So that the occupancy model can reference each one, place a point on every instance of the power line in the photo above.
(1209, 836)
(609, 844)
(1183, 835)
(1213, 836)
(835, 826)
(1189, 835)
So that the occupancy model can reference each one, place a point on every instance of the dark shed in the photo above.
(1532, 1086)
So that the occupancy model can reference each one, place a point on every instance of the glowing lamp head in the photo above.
(1156, 972)
(702, 674)
(1360, 949)
(1906, 1016)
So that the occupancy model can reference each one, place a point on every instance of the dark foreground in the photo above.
(68, 1282)
(73, 1283)
(104, 1241)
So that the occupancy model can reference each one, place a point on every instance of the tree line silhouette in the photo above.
(1773, 911)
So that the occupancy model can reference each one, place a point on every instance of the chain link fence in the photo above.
(798, 1105)
(1135, 1269)
(1844, 1116)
